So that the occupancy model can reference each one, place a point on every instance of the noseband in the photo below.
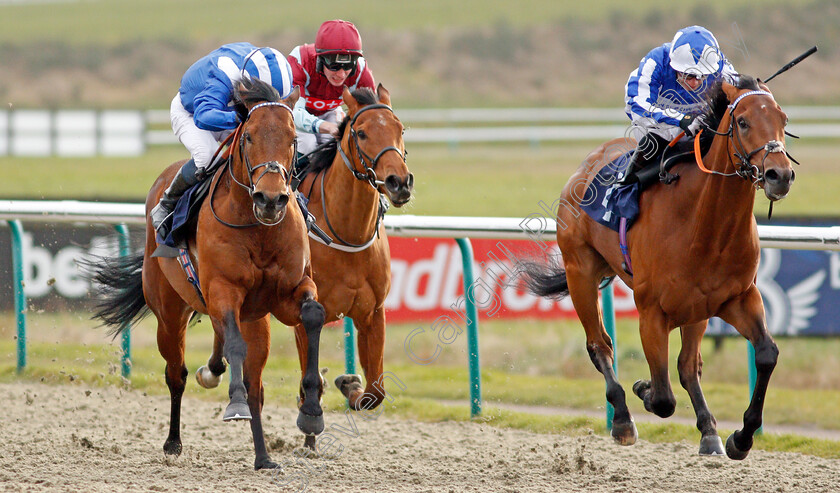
(370, 170)
(270, 167)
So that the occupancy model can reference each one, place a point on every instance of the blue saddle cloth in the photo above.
(186, 208)
(606, 201)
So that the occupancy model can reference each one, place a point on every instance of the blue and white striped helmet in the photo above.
(272, 68)
(695, 51)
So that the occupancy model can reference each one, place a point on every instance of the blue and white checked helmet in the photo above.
(695, 51)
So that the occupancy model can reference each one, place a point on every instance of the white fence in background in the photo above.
(77, 133)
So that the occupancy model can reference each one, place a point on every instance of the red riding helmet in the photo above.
(338, 37)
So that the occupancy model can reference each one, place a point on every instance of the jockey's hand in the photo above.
(329, 128)
(692, 124)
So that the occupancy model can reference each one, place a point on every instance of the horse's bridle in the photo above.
(370, 171)
(270, 167)
(744, 168)
(369, 176)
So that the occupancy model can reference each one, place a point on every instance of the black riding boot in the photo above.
(184, 179)
(648, 151)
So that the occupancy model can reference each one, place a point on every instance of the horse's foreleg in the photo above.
(371, 356)
(746, 314)
(690, 366)
(656, 393)
(224, 302)
(257, 336)
(209, 376)
(584, 292)
(308, 338)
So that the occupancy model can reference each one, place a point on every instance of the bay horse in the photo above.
(353, 273)
(251, 255)
(694, 252)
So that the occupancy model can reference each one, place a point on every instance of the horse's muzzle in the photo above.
(399, 190)
(777, 183)
(270, 209)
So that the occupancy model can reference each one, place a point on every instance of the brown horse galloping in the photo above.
(353, 274)
(694, 252)
(248, 270)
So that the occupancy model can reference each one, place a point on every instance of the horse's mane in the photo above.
(250, 91)
(717, 104)
(322, 157)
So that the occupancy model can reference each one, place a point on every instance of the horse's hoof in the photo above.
(309, 442)
(237, 411)
(732, 451)
(625, 433)
(310, 425)
(172, 447)
(206, 379)
(265, 464)
(711, 445)
(348, 383)
(640, 387)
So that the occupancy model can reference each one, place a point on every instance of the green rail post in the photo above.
(349, 346)
(753, 372)
(20, 297)
(609, 324)
(472, 327)
(125, 251)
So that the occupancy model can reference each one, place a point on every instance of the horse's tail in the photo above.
(119, 283)
(547, 280)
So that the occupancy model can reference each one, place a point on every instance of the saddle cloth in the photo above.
(606, 201)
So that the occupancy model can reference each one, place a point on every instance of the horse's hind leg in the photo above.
(746, 314)
(655, 393)
(583, 288)
(172, 327)
(690, 365)
(209, 376)
(257, 337)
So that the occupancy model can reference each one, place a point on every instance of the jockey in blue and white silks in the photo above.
(202, 113)
(666, 93)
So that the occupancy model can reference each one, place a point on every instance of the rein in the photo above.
(369, 176)
(270, 167)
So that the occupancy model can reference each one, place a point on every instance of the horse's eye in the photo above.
(248, 137)
(362, 134)
(742, 123)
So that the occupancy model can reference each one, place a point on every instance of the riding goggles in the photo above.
(339, 61)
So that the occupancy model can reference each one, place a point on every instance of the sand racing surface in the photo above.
(79, 438)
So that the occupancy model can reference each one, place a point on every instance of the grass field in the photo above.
(114, 21)
(471, 180)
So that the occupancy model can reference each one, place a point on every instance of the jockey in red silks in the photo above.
(323, 70)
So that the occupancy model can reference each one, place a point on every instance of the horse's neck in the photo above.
(725, 203)
(351, 204)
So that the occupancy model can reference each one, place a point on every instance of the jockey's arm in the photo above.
(307, 122)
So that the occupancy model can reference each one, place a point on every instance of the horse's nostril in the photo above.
(792, 175)
(282, 200)
(771, 175)
(259, 199)
(392, 183)
(409, 183)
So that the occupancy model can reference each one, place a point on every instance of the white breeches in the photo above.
(642, 125)
(201, 144)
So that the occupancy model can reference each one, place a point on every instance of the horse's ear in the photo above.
(730, 91)
(293, 97)
(384, 95)
(350, 101)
